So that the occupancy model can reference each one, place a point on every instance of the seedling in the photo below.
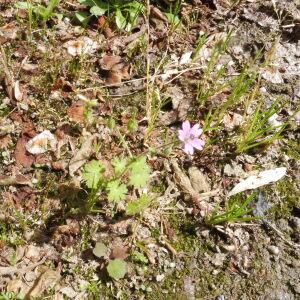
(235, 211)
(125, 14)
(116, 268)
(129, 174)
(43, 12)
(258, 131)
(11, 296)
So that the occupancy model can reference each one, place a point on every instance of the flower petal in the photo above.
(197, 143)
(188, 149)
(196, 130)
(182, 135)
(186, 126)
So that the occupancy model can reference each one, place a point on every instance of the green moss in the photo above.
(289, 197)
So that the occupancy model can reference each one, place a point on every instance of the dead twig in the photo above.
(280, 234)
(13, 270)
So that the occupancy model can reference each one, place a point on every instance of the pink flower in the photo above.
(190, 137)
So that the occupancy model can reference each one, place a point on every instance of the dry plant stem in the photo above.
(13, 270)
(151, 78)
(280, 234)
(148, 92)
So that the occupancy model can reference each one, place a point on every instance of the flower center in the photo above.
(192, 136)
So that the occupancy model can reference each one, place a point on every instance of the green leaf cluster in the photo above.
(125, 13)
(43, 12)
(128, 174)
(137, 206)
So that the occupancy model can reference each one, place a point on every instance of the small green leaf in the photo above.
(137, 206)
(23, 5)
(140, 172)
(92, 174)
(117, 268)
(132, 125)
(82, 17)
(119, 165)
(97, 11)
(173, 19)
(100, 250)
(139, 180)
(139, 257)
(111, 123)
(117, 191)
(120, 19)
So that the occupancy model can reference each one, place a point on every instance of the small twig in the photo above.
(280, 234)
(141, 78)
(13, 270)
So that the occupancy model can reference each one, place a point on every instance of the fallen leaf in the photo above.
(186, 58)
(185, 184)
(198, 180)
(9, 31)
(83, 45)
(17, 285)
(261, 179)
(119, 250)
(41, 143)
(21, 155)
(17, 179)
(17, 92)
(46, 281)
(117, 71)
(108, 61)
(33, 253)
(76, 111)
(5, 141)
(81, 156)
(65, 235)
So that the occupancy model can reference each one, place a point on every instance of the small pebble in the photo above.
(296, 224)
(274, 250)
(160, 277)
(297, 288)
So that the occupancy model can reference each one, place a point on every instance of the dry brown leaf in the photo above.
(17, 92)
(76, 111)
(108, 61)
(65, 235)
(122, 227)
(17, 179)
(9, 31)
(21, 155)
(5, 141)
(81, 156)
(119, 250)
(17, 285)
(185, 184)
(47, 280)
(117, 71)
(198, 180)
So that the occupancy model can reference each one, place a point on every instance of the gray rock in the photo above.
(274, 250)
(295, 223)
